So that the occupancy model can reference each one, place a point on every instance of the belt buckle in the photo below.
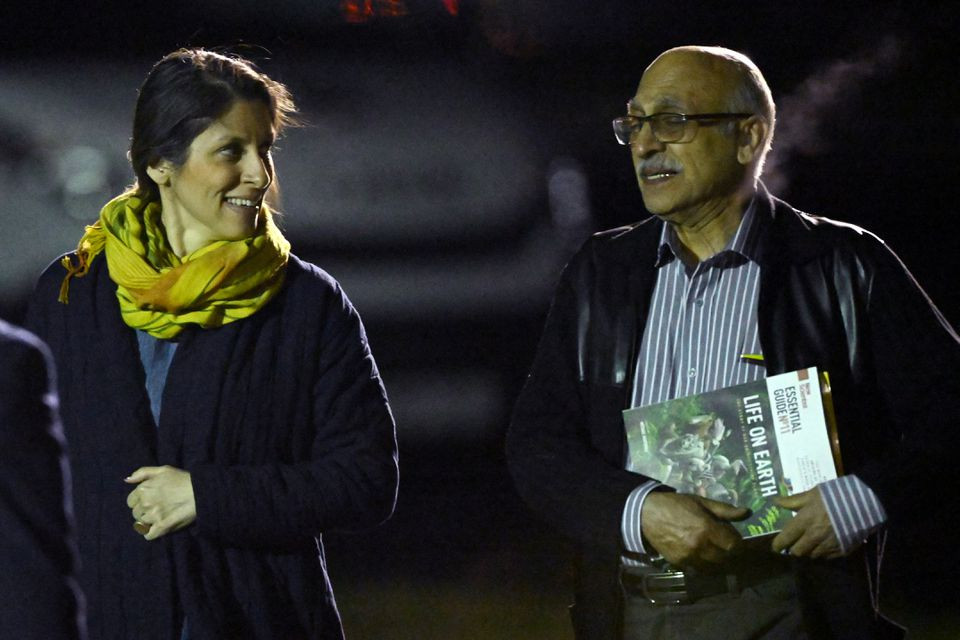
(665, 588)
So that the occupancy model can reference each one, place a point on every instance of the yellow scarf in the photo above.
(159, 292)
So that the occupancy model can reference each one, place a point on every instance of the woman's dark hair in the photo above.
(183, 94)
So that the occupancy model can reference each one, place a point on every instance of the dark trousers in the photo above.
(769, 610)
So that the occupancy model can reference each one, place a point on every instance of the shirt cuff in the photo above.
(630, 523)
(853, 508)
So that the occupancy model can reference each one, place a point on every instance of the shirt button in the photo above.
(699, 302)
(692, 373)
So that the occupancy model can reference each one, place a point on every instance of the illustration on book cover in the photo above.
(743, 444)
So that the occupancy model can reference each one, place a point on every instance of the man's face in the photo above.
(682, 182)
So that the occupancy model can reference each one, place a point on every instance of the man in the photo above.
(666, 308)
(39, 597)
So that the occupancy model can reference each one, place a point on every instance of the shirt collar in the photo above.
(744, 242)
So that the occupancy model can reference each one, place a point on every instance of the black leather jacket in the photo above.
(831, 295)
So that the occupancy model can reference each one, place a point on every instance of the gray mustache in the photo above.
(656, 165)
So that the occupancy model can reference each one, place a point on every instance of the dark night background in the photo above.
(455, 155)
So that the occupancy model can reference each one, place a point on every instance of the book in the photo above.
(743, 444)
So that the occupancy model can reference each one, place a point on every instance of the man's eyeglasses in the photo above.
(668, 127)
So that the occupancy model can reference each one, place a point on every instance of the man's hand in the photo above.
(809, 534)
(690, 530)
(163, 499)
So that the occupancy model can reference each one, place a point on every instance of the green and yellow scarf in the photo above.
(159, 292)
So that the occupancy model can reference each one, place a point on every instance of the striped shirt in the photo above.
(701, 320)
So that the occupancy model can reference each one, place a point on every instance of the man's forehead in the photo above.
(657, 104)
(682, 81)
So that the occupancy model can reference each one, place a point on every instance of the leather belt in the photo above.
(668, 586)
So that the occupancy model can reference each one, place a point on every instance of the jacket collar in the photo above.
(776, 220)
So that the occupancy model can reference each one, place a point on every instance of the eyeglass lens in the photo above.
(666, 127)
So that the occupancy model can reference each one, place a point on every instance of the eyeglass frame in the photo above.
(686, 118)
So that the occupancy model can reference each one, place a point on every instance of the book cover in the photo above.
(743, 444)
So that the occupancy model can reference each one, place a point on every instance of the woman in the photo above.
(217, 393)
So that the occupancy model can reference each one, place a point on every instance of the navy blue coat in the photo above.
(284, 425)
(38, 589)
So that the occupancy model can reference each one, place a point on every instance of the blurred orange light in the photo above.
(358, 11)
(392, 8)
(452, 6)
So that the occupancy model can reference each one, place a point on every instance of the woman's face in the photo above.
(217, 193)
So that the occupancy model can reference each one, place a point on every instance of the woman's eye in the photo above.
(231, 151)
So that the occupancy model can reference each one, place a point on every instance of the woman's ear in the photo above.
(160, 172)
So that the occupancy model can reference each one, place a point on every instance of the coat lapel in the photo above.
(131, 436)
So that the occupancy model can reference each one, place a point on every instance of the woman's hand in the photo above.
(163, 499)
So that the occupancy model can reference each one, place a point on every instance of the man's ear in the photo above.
(750, 136)
(160, 172)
